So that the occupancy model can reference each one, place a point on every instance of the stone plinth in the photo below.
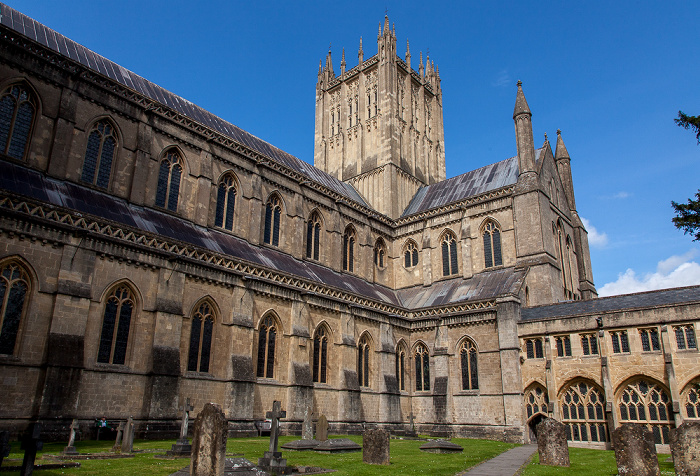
(273, 463)
(551, 443)
(685, 448)
(209, 442)
(338, 445)
(441, 446)
(181, 448)
(375, 447)
(635, 452)
(301, 445)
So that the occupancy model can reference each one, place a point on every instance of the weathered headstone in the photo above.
(635, 452)
(70, 449)
(375, 447)
(412, 432)
(337, 445)
(307, 432)
(31, 443)
(128, 436)
(551, 443)
(685, 448)
(272, 460)
(4, 445)
(209, 442)
(441, 446)
(117, 448)
(322, 428)
(182, 446)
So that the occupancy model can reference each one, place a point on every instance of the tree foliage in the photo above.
(689, 122)
(688, 216)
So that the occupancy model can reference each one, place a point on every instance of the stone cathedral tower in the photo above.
(379, 125)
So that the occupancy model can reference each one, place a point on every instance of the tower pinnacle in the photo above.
(521, 106)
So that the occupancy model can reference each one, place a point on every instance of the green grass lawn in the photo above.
(406, 459)
(589, 462)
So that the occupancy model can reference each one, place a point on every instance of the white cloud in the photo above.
(595, 238)
(621, 195)
(670, 273)
(502, 80)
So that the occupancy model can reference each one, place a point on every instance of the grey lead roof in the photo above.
(648, 299)
(55, 41)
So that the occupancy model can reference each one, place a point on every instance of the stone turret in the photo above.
(523, 136)
(561, 156)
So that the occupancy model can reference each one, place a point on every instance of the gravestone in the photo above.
(117, 448)
(209, 442)
(70, 449)
(441, 446)
(635, 452)
(4, 445)
(551, 443)
(182, 446)
(685, 448)
(375, 447)
(308, 428)
(272, 460)
(322, 428)
(412, 432)
(30, 444)
(338, 445)
(128, 436)
(307, 441)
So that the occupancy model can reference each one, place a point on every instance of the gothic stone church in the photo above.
(152, 252)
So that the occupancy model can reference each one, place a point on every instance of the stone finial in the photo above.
(560, 152)
(521, 106)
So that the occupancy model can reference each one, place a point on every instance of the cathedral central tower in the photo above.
(379, 125)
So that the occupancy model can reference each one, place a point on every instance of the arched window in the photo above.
(115, 326)
(320, 354)
(99, 154)
(169, 176)
(349, 249)
(266, 347)
(492, 245)
(14, 287)
(273, 215)
(379, 253)
(225, 202)
(401, 366)
(313, 236)
(200, 338)
(17, 108)
(646, 402)
(449, 255)
(583, 412)
(422, 364)
(470, 371)
(410, 254)
(691, 401)
(534, 349)
(363, 361)
(536, 401)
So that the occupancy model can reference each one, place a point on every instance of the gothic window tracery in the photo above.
(379, 253)
(201, 335)
(492, 245)
(563, 346)
(99, 155)
(620, 342)
(650, 339)
(116, 322)
(534, 348)
(313, 236)
(646, 402)
(589, 344)
(401, 366)
(691, 401)
(410, 254)
(273, 216)
(536, 401)
(422, 367)
(469, 364)
(169, 176)
(267, 336)
(583, 412)
(363, 365)
(349, 249)
(225, 202)
(449, 254)
(17, 109)
(685, 337)
(14, 288)
(320, 354)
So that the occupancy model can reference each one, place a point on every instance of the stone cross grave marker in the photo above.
(685, 448)
(209, 442)
(117, 448)
(275, 416)
(551, 443)
(308, 429)
(4, 445)
(183, 447)
(272, 460)
(70, 449)
(30, 444)
(375, 447)
(635, 451)
(128, 436)
(412, 431)
(322, 428)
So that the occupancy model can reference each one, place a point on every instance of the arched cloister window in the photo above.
(99, 154)
(492, 245)
(410, 254)
(363, 347)
(349, 249)
(116, 322)
(379, 253)
(273, 215)
(17, 109)
(313, 236)
(200, 338)
(401, 366)
(647, 402)
(449, 254)
(583, 412)
(320, 354)
(169, 176)
(422, 365)
(267, 336)
(536, 400)
(468, 360)
(225, 202)
(14, 288)
(691, 400)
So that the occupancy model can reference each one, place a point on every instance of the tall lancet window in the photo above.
(267, 336)
(17, 109)
(169, 175)
(349, 249)
(273, 215)
(201, 338)
(97, 166)
(470, 372)
(14, 287)
(422, 366)
(449, 254)
(116, 323)
(313, 236)
(363, 361)
(225, 202)
(320, 354)
(492, 245)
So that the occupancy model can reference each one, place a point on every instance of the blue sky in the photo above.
(611, 75)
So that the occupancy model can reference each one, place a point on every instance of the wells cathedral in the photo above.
(152, 252)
